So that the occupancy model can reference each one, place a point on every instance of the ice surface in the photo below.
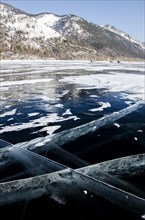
(70, 185)
(26, 162)
(11, 83)
(121, 172)
(48, 86)
(51, 65)
(131, 85)
(69, 135)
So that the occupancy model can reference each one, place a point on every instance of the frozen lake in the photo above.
(72, 114)
(40, 98)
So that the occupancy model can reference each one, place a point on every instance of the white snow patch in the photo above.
(59, 105)
(131, 85)
(31, 27)
(33, 114)
(117, 125)
(39, 122)
(39, 144)
(75, 118)
(12, 112)
(67, 112)
(85, 192)
(93, 96)
(128, 102)
(51, 129)
(10, 119)
(104, 105)
(64, 93)
(7, 106)
(48, 19)
(46, 98)
(140, 131)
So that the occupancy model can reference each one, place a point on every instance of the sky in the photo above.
(126, 15)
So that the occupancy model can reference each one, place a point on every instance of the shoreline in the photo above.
(75, 60)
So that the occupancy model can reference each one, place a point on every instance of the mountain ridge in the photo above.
(51, 36)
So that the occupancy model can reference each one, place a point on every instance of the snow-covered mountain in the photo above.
(123, 34)
(47, 35)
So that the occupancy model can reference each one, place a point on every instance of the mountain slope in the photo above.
(124, 35)
(48, 35)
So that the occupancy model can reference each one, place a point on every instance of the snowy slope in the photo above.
(123, 34)
(32, 26)
(70, 25)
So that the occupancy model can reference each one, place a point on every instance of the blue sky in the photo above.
(127, 15)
